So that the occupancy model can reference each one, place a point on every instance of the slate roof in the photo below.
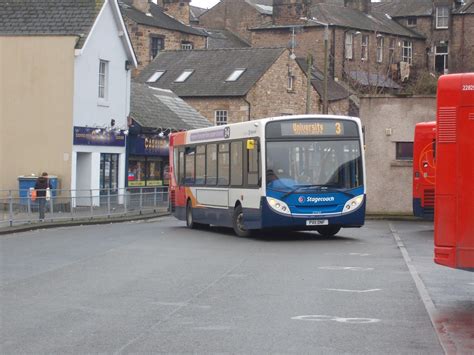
(379, 80)
(265, 7)
(158, 19)
(351, 18)
(211, 69)
(404, 8)
(49, 17)
(219, 39)
(195, 12)
(467, 8)
(158, 108)
(335, 90)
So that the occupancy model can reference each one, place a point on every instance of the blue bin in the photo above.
(26, 182)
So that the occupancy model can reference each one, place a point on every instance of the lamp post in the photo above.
(325, 80)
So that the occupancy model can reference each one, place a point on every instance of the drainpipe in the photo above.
(250, 106)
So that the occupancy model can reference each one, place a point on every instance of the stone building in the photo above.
(153, 28)
(234, 85)
(462, 39)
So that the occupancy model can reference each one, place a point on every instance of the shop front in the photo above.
(148, 162)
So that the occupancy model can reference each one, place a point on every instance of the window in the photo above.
(441, 59)
(223, 164)
(220, 117)
(157, 44)
(404, 150)
(181, 167)
(291, 80)
(235, 75)
(155, 76)
(407, 51)
(380, 49)
(190, 153)
(349, 49)
(200, 165)
(211, 164)
(364, 51)
(252, 165)
(442, 16)
(411, 21)
(184, 75)
(103, 78)
(391, 50)
(236, 178)
(186, 46)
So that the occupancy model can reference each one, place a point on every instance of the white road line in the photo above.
(350, 268)
(425, 297)
(324, 318)
(355, 291)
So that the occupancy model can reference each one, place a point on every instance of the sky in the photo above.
(205, 4)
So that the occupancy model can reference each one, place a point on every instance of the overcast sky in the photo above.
(205, 4)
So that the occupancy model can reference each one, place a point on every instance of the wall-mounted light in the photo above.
(128, 65)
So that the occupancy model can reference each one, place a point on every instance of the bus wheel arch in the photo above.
(328, 231)
(237, 221)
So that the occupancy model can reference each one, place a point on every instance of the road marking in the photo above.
(359, 254)
(355, 291)
(351, 268)
(323, 318)
(350, 254)
(425, 297)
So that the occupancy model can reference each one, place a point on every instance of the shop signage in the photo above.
(148, 145)
(98, 136)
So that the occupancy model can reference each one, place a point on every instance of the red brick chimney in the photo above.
(361, 5)
(179, 9)
(141, 5)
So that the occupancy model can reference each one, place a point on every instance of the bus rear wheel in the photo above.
(190, 219)
(238, 223)
(328, 231)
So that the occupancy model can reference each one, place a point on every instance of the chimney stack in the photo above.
(361, 5)
(141, 5)
(179, 9)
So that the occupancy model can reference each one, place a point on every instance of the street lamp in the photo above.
(325, 82)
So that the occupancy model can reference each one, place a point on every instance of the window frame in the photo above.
(391, 50)
(159, 40)
(103, 87)
(187, 46)
(235, 75)
(442, 16)
(379, 50)
(184, 76)
(398, 150)
(156, 76)
(407, 47)
(411, 21)
(218, 115)
(364, 48)
(349, 46)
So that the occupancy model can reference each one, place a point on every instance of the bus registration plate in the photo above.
(317, 222)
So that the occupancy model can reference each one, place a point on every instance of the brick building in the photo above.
(153, 28)
(462, 39)
(233, 85)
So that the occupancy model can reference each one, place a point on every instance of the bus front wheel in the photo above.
(238, 223)
(328, 231)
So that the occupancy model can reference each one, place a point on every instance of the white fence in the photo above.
(17, 206)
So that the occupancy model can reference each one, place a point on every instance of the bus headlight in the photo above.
(353, 204)
(278, 205)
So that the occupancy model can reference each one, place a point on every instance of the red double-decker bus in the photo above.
(424, 169)
(454, 189)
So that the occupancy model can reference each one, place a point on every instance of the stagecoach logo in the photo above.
(311, 199)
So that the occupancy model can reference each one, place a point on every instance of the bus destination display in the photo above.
(312, 128)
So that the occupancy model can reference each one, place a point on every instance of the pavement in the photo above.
(156, 286)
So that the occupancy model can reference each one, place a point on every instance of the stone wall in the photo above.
(461, 45)
(388, 120)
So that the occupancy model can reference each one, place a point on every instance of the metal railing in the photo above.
(17, 206)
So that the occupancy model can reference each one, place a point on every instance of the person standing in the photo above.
(41, 186)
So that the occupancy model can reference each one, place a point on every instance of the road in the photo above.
(155, 286)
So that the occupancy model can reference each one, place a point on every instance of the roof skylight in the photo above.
(235, 75)
(184, 75)
(155, 76)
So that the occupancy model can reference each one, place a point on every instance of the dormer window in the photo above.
(155, 76)
(184, 76)
(235, 75)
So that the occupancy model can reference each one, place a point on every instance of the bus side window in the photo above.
(200, 164)
(253, 173)
(223, 164)
(181, 167)
(211, 164)
(236, 177)
(189, 171)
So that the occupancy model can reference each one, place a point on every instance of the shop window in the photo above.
(136, 172)
(236, 177)
(109, 172)
(200, 164)
(223, 164)
(211, 164)
(154, 172)
(404, 150)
